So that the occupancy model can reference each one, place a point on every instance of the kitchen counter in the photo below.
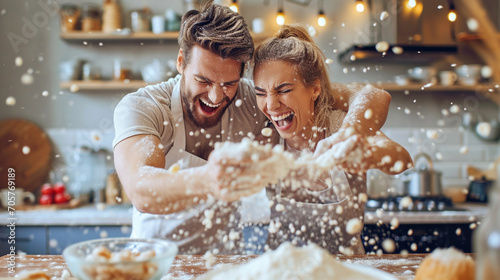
(188, 267)
(122, 215)
(112, 215)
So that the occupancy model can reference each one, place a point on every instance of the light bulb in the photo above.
(321, 18)
(280, 17)
(234, 6)
(360, 7)
(412, 4)
(452, 16)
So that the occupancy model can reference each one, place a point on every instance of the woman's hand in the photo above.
(355, 153)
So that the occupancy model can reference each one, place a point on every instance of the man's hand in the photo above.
(236, 170)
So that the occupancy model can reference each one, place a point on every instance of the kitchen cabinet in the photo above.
(78, 37)
(419, 238)
(52, 240)
(28, 239)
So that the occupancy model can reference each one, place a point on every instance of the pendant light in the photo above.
(321, 14)
(280, 16)
(234, 6)
(452, 15)
(360, 6)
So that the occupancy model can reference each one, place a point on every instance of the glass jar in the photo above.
(90, 72)
(141, 20)
(70, 15)
(91, 18)
(122, 70)
(487, 240)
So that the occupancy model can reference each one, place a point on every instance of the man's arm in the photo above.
(140, 164)
(152, 189)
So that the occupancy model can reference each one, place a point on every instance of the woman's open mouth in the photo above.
(208, 107)
(283, 121)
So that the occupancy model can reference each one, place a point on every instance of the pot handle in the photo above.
(426, 156)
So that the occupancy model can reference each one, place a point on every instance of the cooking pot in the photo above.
(478, 190)
(422, 180)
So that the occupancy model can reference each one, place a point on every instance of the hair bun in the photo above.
(294, 30)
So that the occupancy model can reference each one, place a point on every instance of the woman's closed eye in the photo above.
(260, 92)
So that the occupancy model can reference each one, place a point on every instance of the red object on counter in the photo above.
(59, 188)
(62, 197)
(47, 189)
(46, 199)
(54, 194)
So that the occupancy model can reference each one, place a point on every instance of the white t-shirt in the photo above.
(148, 111)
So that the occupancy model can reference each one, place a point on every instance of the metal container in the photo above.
(479, 189)
(422, 180)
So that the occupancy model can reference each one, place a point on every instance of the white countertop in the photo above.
(118, 215)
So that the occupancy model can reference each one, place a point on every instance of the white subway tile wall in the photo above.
(451, 149)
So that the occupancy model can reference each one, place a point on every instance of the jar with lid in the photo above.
(122, 70)
(141, 20)
(91, 17)
(70, 15)
(487, 239)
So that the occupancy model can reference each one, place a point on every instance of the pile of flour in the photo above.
(289, 262)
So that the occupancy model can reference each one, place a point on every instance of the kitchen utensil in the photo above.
(423, 74)
(16, 197)
(488, 131)
(422, 180)
(85, 262)
(478, 190)
(468, 74)
(25, 151)
(447, 78)
(111, 16)
(141, 20)
(158, 24)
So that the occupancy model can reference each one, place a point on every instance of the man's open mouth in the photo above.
(283, 120)
(209, 107)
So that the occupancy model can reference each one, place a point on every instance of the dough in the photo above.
(446, 264)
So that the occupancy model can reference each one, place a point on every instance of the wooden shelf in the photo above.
(440, 88)
(76, 86)
(134, 36)
(467, 37)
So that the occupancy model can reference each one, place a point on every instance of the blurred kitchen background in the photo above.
(68, 81)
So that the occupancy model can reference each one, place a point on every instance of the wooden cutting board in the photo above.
(27, 149)
(489, 174)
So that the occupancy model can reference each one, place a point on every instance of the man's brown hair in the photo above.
(217, 29)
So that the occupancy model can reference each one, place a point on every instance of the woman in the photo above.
(293, 90)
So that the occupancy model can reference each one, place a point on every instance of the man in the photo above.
(179, 120)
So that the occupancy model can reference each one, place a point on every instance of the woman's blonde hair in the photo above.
(294, 45)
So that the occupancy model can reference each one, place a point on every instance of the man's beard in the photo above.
(189, 108)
